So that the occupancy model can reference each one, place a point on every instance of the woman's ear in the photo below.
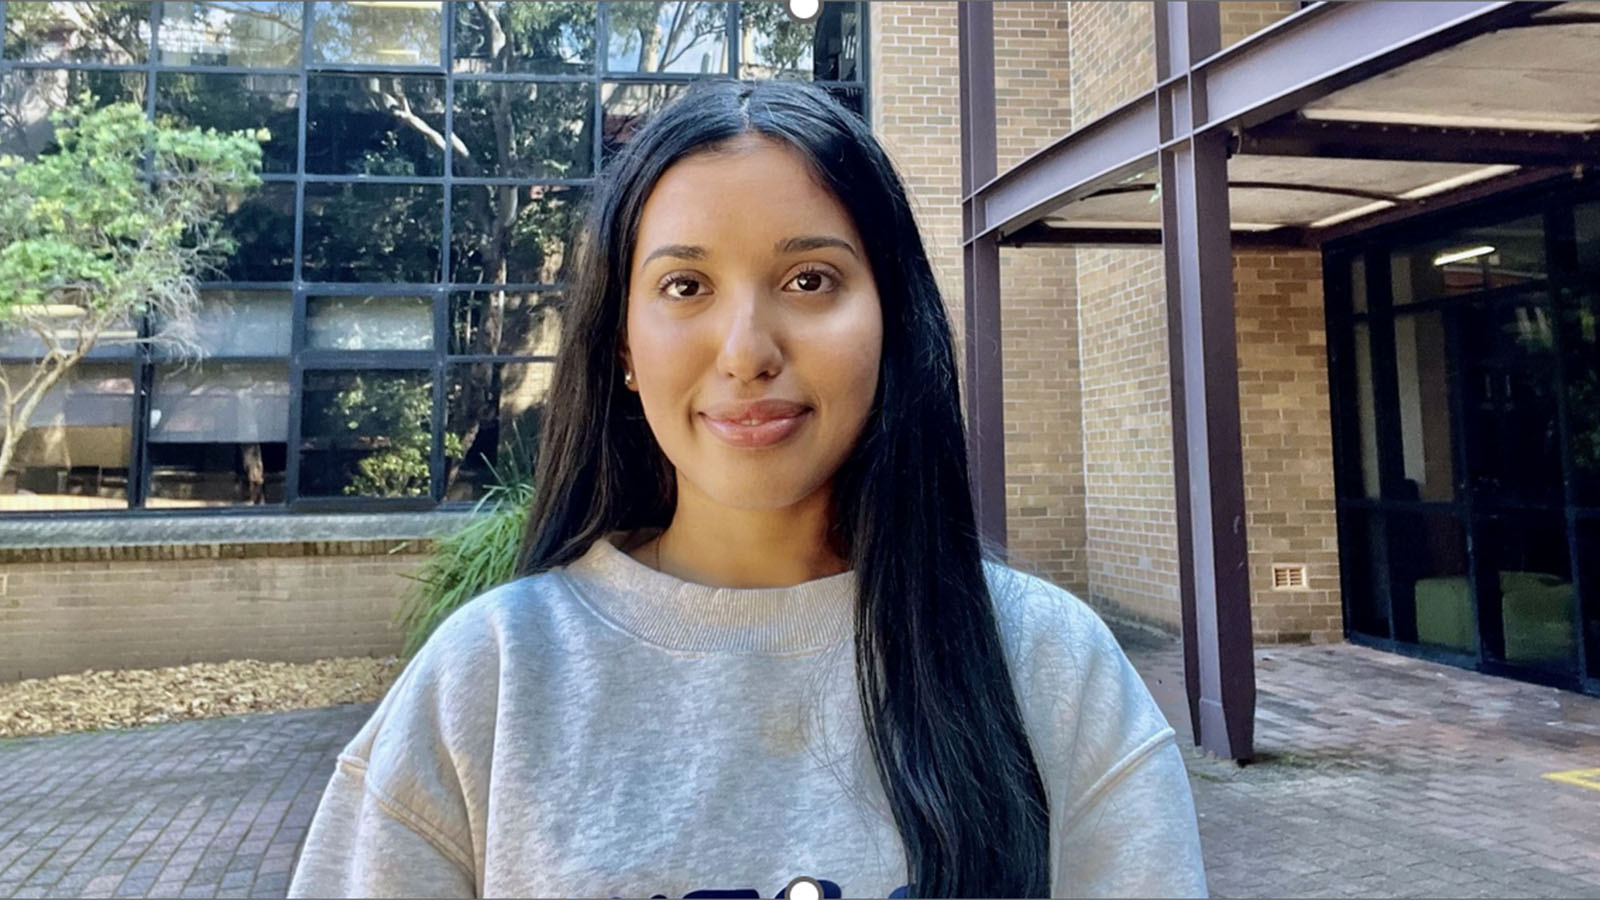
(625, 359)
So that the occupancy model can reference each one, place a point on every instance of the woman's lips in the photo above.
(764, 433)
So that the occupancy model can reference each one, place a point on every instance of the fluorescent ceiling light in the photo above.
(1057, 222)
(1445, 259)
(1445, 120)
(1462, 180)
(1355, 213)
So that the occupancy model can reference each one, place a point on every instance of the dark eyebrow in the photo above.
(679, 251)
(815, 242)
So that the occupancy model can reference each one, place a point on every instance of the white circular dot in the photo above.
(805, 10)
(803, 888)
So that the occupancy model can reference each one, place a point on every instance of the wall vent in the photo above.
(1289, 578)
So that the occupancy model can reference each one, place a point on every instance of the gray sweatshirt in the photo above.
(608, 730)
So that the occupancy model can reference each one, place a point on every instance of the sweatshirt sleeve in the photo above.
(362, 844)
(1135, 834)
(1122, 816)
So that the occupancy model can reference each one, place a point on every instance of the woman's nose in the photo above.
(751, 345)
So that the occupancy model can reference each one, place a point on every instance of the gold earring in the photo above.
(627, 378)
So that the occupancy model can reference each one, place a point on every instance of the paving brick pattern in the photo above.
(1378, 776)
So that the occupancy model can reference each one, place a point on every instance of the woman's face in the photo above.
(753, 325)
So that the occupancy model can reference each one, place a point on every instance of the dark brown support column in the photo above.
(1219, 664)
(980, 263)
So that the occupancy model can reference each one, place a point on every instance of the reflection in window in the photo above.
(1589, 577)
(773, 44)
(236, 103)
(218, 434)
(28, 96)
(76, 451)
(1580, 341)
(1469, 260)
(532, 250)
(390, 34)
(539, 37)
(366, 433)
(115, 33)
(24, 335)
(373, 232)
(1367, 412)
(626, 107)
(1512, 428)
(369, 323)
(230, 34)
(669, 37)
(375, 125)
(504, 323)
(1429, 587)
(244, 323)
(1525, 578)
(493, 413)
(1422, 375)
(506, 129)
(263, 226)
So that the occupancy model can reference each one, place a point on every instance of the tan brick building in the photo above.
(1091, 487)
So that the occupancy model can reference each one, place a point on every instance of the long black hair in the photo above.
(940, 710)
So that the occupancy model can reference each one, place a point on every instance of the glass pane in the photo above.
(230, 34)
(626, 107)
(221, 403)
(378, 34)
(1580, 321)
(546, 38)
(669, 37)
(1589, 561)
(493, 413)
(77, 449)
(373, 232)
(1358, 284)
(504, 323)
(20, 337)
(375, 125)
(264, 227)
(245, 323)
(369, 323)
(533, 250)
(1428, 582)
(234, 103)
(1367, 413)
(1512, 431)
(524, 130)
(27, 97)
(1362, 553)
(773, 44)
(116, 33)
(1422, 376)
(1525, 581)
(1469, 260)
(229, 473)
(366, 434)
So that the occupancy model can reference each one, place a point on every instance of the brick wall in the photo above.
(1044, 412)
(66, 610)
(1288, 443)
(1242, 18)
(916, 114)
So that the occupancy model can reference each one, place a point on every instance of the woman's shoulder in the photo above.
(1082, 699)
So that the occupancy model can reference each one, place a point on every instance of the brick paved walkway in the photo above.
(1379, 776)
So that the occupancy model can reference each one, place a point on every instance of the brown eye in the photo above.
(683, 288)
(811, 282)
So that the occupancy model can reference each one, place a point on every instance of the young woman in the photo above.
(758, 640)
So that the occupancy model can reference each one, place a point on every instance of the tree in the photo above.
(111, 228)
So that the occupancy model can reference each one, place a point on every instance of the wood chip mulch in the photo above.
(130, 698)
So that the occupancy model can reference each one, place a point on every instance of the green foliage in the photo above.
(117, 223)
(394, 416)
(480, 556)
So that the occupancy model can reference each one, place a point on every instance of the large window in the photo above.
(1466, 367)
(383, 337)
